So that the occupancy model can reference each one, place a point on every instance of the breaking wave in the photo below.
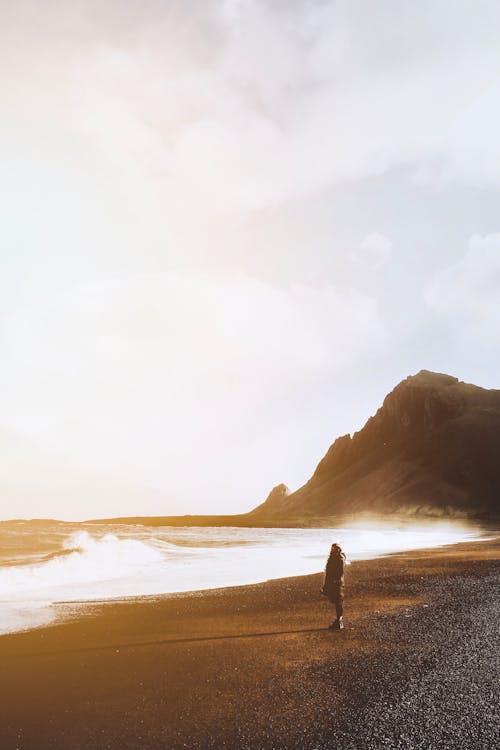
(83, 559)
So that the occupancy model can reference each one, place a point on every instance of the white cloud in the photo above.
(140, 377)
(467, 294)
(374, 250)
(235, 106)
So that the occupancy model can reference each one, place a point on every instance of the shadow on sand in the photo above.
(166, 641)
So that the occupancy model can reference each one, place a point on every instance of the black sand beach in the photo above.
(254, 667)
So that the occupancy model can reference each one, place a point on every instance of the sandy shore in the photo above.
(254, 667)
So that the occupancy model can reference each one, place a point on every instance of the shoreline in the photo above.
(51, 612)
(253, 666)
(138, 598)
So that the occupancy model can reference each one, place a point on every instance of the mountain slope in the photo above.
(433, 446)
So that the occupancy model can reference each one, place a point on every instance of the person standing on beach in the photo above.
(333, 585)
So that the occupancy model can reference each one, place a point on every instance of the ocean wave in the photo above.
(83, 559)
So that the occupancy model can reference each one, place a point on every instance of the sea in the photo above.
(46, 563)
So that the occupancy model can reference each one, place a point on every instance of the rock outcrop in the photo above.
(277, 494)
(432, 447)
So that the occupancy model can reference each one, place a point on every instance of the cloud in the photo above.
(467, 294)
(284, 108)
(374, 250)
(140, 377)
(238, 106)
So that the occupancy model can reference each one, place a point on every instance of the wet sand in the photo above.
(255, 667)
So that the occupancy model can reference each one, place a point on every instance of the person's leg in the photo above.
(339, 608)
(337, 601)
(334, 624)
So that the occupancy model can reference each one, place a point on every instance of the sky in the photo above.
(229, 228)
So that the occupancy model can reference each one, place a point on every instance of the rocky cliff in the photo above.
(433, 446)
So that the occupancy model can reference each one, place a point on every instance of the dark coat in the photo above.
(333, 585)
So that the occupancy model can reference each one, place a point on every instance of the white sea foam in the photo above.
(85, 559)
(100, 562)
